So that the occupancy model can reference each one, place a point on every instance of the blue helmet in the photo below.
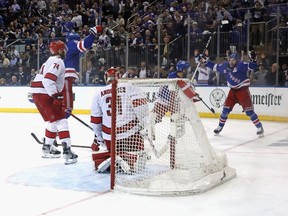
(234, 56)
(72, 36)
(173, 74)
(181, 65)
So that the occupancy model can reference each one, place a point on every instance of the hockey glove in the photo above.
(96, 30)
(196, 98)
(252, 56)
(95, 146)
(68, 112)
(57, 100)
(97, 142)
(203, 59)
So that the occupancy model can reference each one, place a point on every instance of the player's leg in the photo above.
(64, 136)
(228, 106)
(48, 149)
(248, 108)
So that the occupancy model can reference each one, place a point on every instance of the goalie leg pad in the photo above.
(104, 166)
(99, 157)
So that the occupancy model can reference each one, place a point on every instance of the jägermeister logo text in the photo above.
(268, 99)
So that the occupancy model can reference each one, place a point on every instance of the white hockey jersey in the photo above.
(50, 79)
(132, 111)
(203, 76)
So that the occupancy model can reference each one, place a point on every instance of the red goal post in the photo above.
(159, 144)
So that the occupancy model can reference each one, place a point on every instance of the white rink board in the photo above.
(267, 101)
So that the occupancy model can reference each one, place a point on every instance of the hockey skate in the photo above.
(260, 132)
(218, 130)
(50, 151)
(69, 156)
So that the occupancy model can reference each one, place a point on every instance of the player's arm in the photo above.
(96, 124)
(96, 119)
(68, 93)
(253, 60)
(49, 82)
(87, 42)
(54, 69)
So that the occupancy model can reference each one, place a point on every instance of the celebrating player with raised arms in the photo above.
(236, 73)
(132, 111)
(76, 47)
(47, 93)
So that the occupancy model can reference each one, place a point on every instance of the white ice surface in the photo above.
(30, 185)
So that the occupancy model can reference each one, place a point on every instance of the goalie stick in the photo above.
(210, 108)
(56, 144)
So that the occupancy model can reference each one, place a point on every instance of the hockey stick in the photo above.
(196, 70)
(210, 108)
(82, 122)
(56, 144)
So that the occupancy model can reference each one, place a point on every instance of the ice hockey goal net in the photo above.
(176, 158)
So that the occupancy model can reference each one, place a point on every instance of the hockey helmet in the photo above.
(72, 36)
(181, 65)
(57, 47)
(234, 56)
(111, 74)
(173, 74)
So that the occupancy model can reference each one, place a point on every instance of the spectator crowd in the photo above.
(28, 26)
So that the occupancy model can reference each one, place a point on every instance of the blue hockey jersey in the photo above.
(236, 77)
(75, 49)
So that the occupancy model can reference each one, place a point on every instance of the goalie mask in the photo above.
(111, 74)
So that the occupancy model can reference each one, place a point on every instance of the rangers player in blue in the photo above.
(76, 47)
(236, 73)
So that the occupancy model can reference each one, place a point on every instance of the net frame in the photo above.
(177, 177)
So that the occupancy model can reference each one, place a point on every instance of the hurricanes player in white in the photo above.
(47, 93)
(132, 103)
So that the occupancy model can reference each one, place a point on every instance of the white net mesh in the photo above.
(162, 147)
